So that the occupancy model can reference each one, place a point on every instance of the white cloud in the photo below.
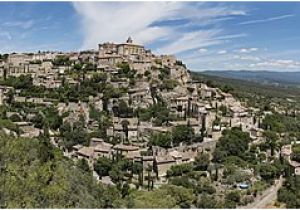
(23, 24)
(232, 36)
(115, 21)
(267, 19)
(192, 40)
(202, 50)
(247, 50)
(279, 64)
(250, 58)
(229, 61)
(220, 52)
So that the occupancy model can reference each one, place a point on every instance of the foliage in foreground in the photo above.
(35, 175)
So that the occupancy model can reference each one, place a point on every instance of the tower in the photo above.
(129, 40)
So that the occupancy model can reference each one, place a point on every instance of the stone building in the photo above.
(129, 48)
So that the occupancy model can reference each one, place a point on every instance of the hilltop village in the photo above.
(139, 121)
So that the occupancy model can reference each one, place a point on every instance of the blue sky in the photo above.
(205, 35)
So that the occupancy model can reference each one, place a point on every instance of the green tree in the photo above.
(102, 166)
(271, 141)
(207, 202)
(233, 142)
(10, 96)
(182, 133)
(169, 196)
(232, 199)
(73, 135)
(83, 165)
(161, 139)
(204, 187)
(268, 171)
(202, 161)
(15, 118)
(289, 193)
(179, 170)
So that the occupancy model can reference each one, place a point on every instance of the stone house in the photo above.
(86, 153)
(129, 151)
(295, 167)
(101, 148)
(238, 111)
(286, 152)
(30, 131)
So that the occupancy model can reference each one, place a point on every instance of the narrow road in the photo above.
(268, 196)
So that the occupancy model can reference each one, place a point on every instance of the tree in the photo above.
(149, 176)
(94, 113)
(102, 166)
(168, 196)
(53, 118)
(125, 124)
(232, 199)
(271, 141)
(61, 60)
(182, 133)
(10, 96)
(161, 139)
(204, 187)
(289, 193)
(137, 168)
(273, 122)
(179, 170)
(123, 109)
(125, 190)
(117, 175)
(99, 77)
(104, 122)
(183, 181)
(202, 161)
(73, 135)
(207, 202)
(234, 175)
(38, 121)
(268, 171)
(15, 118)
(233, 142)
(83, 165)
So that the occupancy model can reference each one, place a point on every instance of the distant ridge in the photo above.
(265, 77)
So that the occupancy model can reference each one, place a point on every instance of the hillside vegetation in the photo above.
(254, 93)
(35, 175)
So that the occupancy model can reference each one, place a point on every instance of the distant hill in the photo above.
(265, 77)
(258, 94)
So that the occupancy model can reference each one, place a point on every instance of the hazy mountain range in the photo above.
(266, 77)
